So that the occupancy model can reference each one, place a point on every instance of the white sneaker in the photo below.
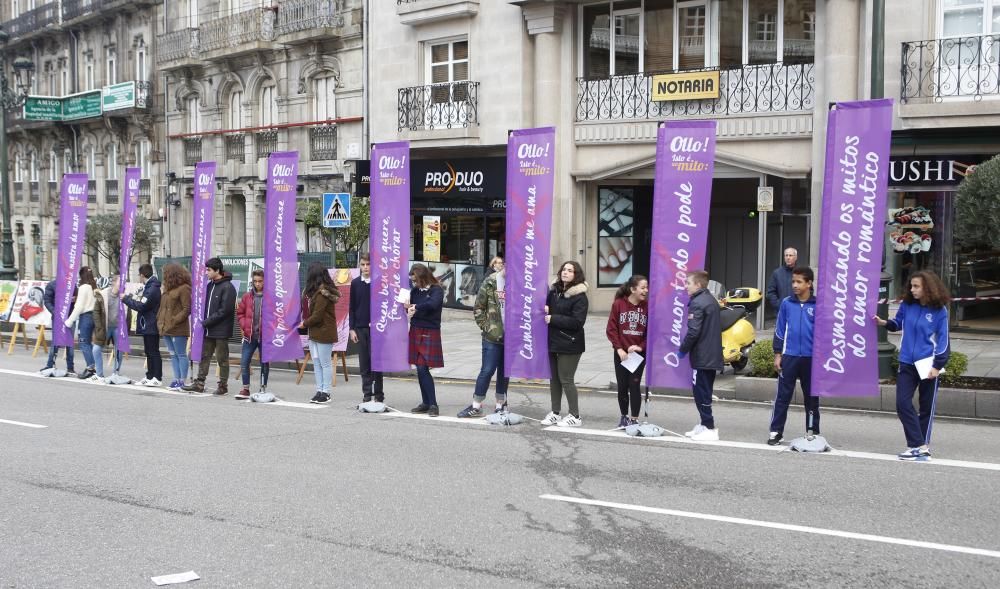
(697, 430)
(570, 421)
(97, 379)
(155, 382)
(143, 383)
(706, 435)
(551, 419)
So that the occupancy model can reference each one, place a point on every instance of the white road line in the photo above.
(280, 403)
(765, 447)
(425, 417)
(133, 387)
(23, 424)
(778, 526)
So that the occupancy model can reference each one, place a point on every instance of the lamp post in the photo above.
(11, 98)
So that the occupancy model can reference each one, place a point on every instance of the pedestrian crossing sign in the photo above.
(336, 209)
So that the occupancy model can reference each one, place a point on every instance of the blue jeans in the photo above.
(249, 347)
(86, 326)
(99, 357)
(177, 346)
(492, 362)
(53, 350)
(322, 365)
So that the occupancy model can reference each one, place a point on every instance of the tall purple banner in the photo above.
(282, 310)
(389, 244)
(72, 232)
(204, 214)
(682, 197)
(530, 184)
(852, 236)
(128, 234)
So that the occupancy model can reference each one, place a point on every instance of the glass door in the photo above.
(691, 21)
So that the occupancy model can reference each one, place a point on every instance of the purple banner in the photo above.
(530, 183)
(389, 244)
(128, 234)
(201, 240)
(282, 310)
(852, 237)
(72, 232)
(682, 197)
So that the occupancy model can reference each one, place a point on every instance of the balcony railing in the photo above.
(749, 89)
(192, 150)
(33, 20)
(238, 29)
(76, 8)
(91, 191)
(111, 192)
(266, 143)
(143, 94)
(323, 142)
(33, 192)
(236, 147)
(439, 106)
(144, 191)
(176, 45)
(303, 15)
(948, 68)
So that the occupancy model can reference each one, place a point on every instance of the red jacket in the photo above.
(244, 312)
(627, 324)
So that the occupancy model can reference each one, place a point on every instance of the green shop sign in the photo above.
(119, 96)
(85, 105)
(43, 108)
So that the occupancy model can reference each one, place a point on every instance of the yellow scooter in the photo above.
(738, 334)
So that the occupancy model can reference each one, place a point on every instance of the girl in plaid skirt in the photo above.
(424, 311)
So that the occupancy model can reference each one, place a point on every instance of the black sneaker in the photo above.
(366, 399)
(380, 398)
(316, 397)
(470, 411)
(774, 439)
(194, 387)
(322, 398)
(432, 411)
(421, 408)
(502, 408)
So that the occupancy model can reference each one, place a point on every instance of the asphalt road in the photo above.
(125, 484)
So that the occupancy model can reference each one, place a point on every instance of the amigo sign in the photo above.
(686, 86)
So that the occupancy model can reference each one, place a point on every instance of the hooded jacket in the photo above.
(793, 332)
(244, 314)
(488, 310)
(220, 308)
(703, 340)
(175, 312)
(147, 306)
(321, 320)
(925, 333)
(568, 311)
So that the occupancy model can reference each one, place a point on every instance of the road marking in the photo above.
(778, 526)
(425, 417)
(765, 447)
(280, 403)
(133, 387)
(23, 424)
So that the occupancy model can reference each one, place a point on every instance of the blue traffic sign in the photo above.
(336, 209)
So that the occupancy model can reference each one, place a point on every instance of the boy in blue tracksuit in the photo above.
(793, 345)
(923, 318)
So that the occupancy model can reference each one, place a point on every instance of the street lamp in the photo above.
(11, 98)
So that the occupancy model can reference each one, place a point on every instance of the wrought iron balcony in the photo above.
(949, 68)
(296, 16)
(32, 20)
(177, 45)
(242, 30)
(749, 89)
(91, 191)
(144, 191)
(111, 192)
(236, 147)
(439, 106)
(266, 143)
(323, 142)
(192, 150)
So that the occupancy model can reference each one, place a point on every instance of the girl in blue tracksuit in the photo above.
(923, 317)
(793, 344)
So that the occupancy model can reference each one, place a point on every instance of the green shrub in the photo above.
(957, 364)
(762, 360)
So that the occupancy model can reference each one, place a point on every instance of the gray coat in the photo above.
(703, 341)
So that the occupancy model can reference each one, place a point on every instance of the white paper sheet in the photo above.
(176, 578)
(632, 361)
(924, 366)
(403, 296)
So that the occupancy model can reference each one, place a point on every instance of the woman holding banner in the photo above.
(173, 320)
(627, 333)
(318, 302)
(424, 311)
(923, 352)
(83, 312)
(565, 313)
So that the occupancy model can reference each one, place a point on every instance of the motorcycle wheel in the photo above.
(740, 364)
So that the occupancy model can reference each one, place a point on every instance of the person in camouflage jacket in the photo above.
(488, 313)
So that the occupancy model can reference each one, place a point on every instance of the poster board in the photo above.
(29, 304)
(342, 278)
(8, 289)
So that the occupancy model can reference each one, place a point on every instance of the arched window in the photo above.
(268, 106)
(111, 163)
(324, 98)
(193, 114)
(236, 110)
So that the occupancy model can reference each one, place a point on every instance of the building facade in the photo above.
(243, 79)
(93, 111)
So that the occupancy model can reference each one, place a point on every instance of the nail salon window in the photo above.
(615, 215)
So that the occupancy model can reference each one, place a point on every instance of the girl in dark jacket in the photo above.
(627, 333)
(319, 300)
(565, 313)
(424, 311)
(172, 321)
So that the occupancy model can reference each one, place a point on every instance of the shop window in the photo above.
(452, 247)
(615, 215)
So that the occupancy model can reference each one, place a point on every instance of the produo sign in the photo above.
(482, 177)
